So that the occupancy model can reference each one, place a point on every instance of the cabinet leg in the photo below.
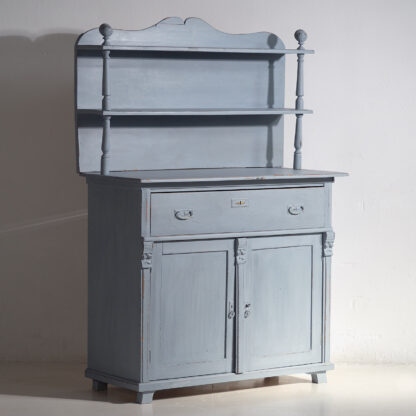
(144, 398)
(319, 377)
(99, 385)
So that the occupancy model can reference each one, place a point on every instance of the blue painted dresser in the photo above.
(208, 261)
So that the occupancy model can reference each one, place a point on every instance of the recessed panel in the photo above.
(282, 300)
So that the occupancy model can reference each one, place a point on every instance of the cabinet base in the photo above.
(146, 389)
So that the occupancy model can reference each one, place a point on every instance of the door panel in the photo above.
(280, 302)
(192, 285)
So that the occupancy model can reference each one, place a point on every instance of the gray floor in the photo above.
(57, 389)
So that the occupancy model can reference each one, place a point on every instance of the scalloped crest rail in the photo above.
(208, 261)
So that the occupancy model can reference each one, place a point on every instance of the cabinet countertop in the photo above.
(218, 174)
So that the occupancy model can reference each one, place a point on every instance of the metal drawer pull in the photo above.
(184, 214)
(295, 209)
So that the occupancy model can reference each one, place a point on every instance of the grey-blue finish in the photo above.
(283, 288)
(238, 211)
(113, 284)
(192, 295)
(141, 98)
(208, 260)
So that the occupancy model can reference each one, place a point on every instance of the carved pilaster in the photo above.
(241, 255)
(328, 243)
(327, 250)
(147, 255)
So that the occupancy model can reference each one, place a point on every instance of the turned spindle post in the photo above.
(300, 36)
(106, 31)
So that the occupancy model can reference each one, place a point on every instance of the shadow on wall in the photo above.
(43, 209)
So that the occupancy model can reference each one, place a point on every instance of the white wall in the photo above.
(361, 86)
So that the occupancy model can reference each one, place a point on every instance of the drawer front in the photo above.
(208, 212)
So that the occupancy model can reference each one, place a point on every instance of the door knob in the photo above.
(231, 312)
(247, 310)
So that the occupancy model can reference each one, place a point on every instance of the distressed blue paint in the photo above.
(208, 261)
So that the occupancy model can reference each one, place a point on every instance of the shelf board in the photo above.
(196, 49)
(196, 112)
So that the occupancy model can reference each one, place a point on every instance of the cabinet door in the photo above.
(280, 301)
(192, 294)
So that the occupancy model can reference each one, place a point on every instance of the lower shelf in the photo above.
(152, 386)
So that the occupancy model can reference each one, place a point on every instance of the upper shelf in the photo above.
(195, 112)
(258, 51)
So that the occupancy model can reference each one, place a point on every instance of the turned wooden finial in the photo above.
(106, 30)
(301, 36)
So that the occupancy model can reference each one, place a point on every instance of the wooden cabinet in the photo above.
(208, 261)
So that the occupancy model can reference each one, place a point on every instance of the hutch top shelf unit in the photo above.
(183, 95)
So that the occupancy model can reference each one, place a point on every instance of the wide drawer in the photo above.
(207, 212)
